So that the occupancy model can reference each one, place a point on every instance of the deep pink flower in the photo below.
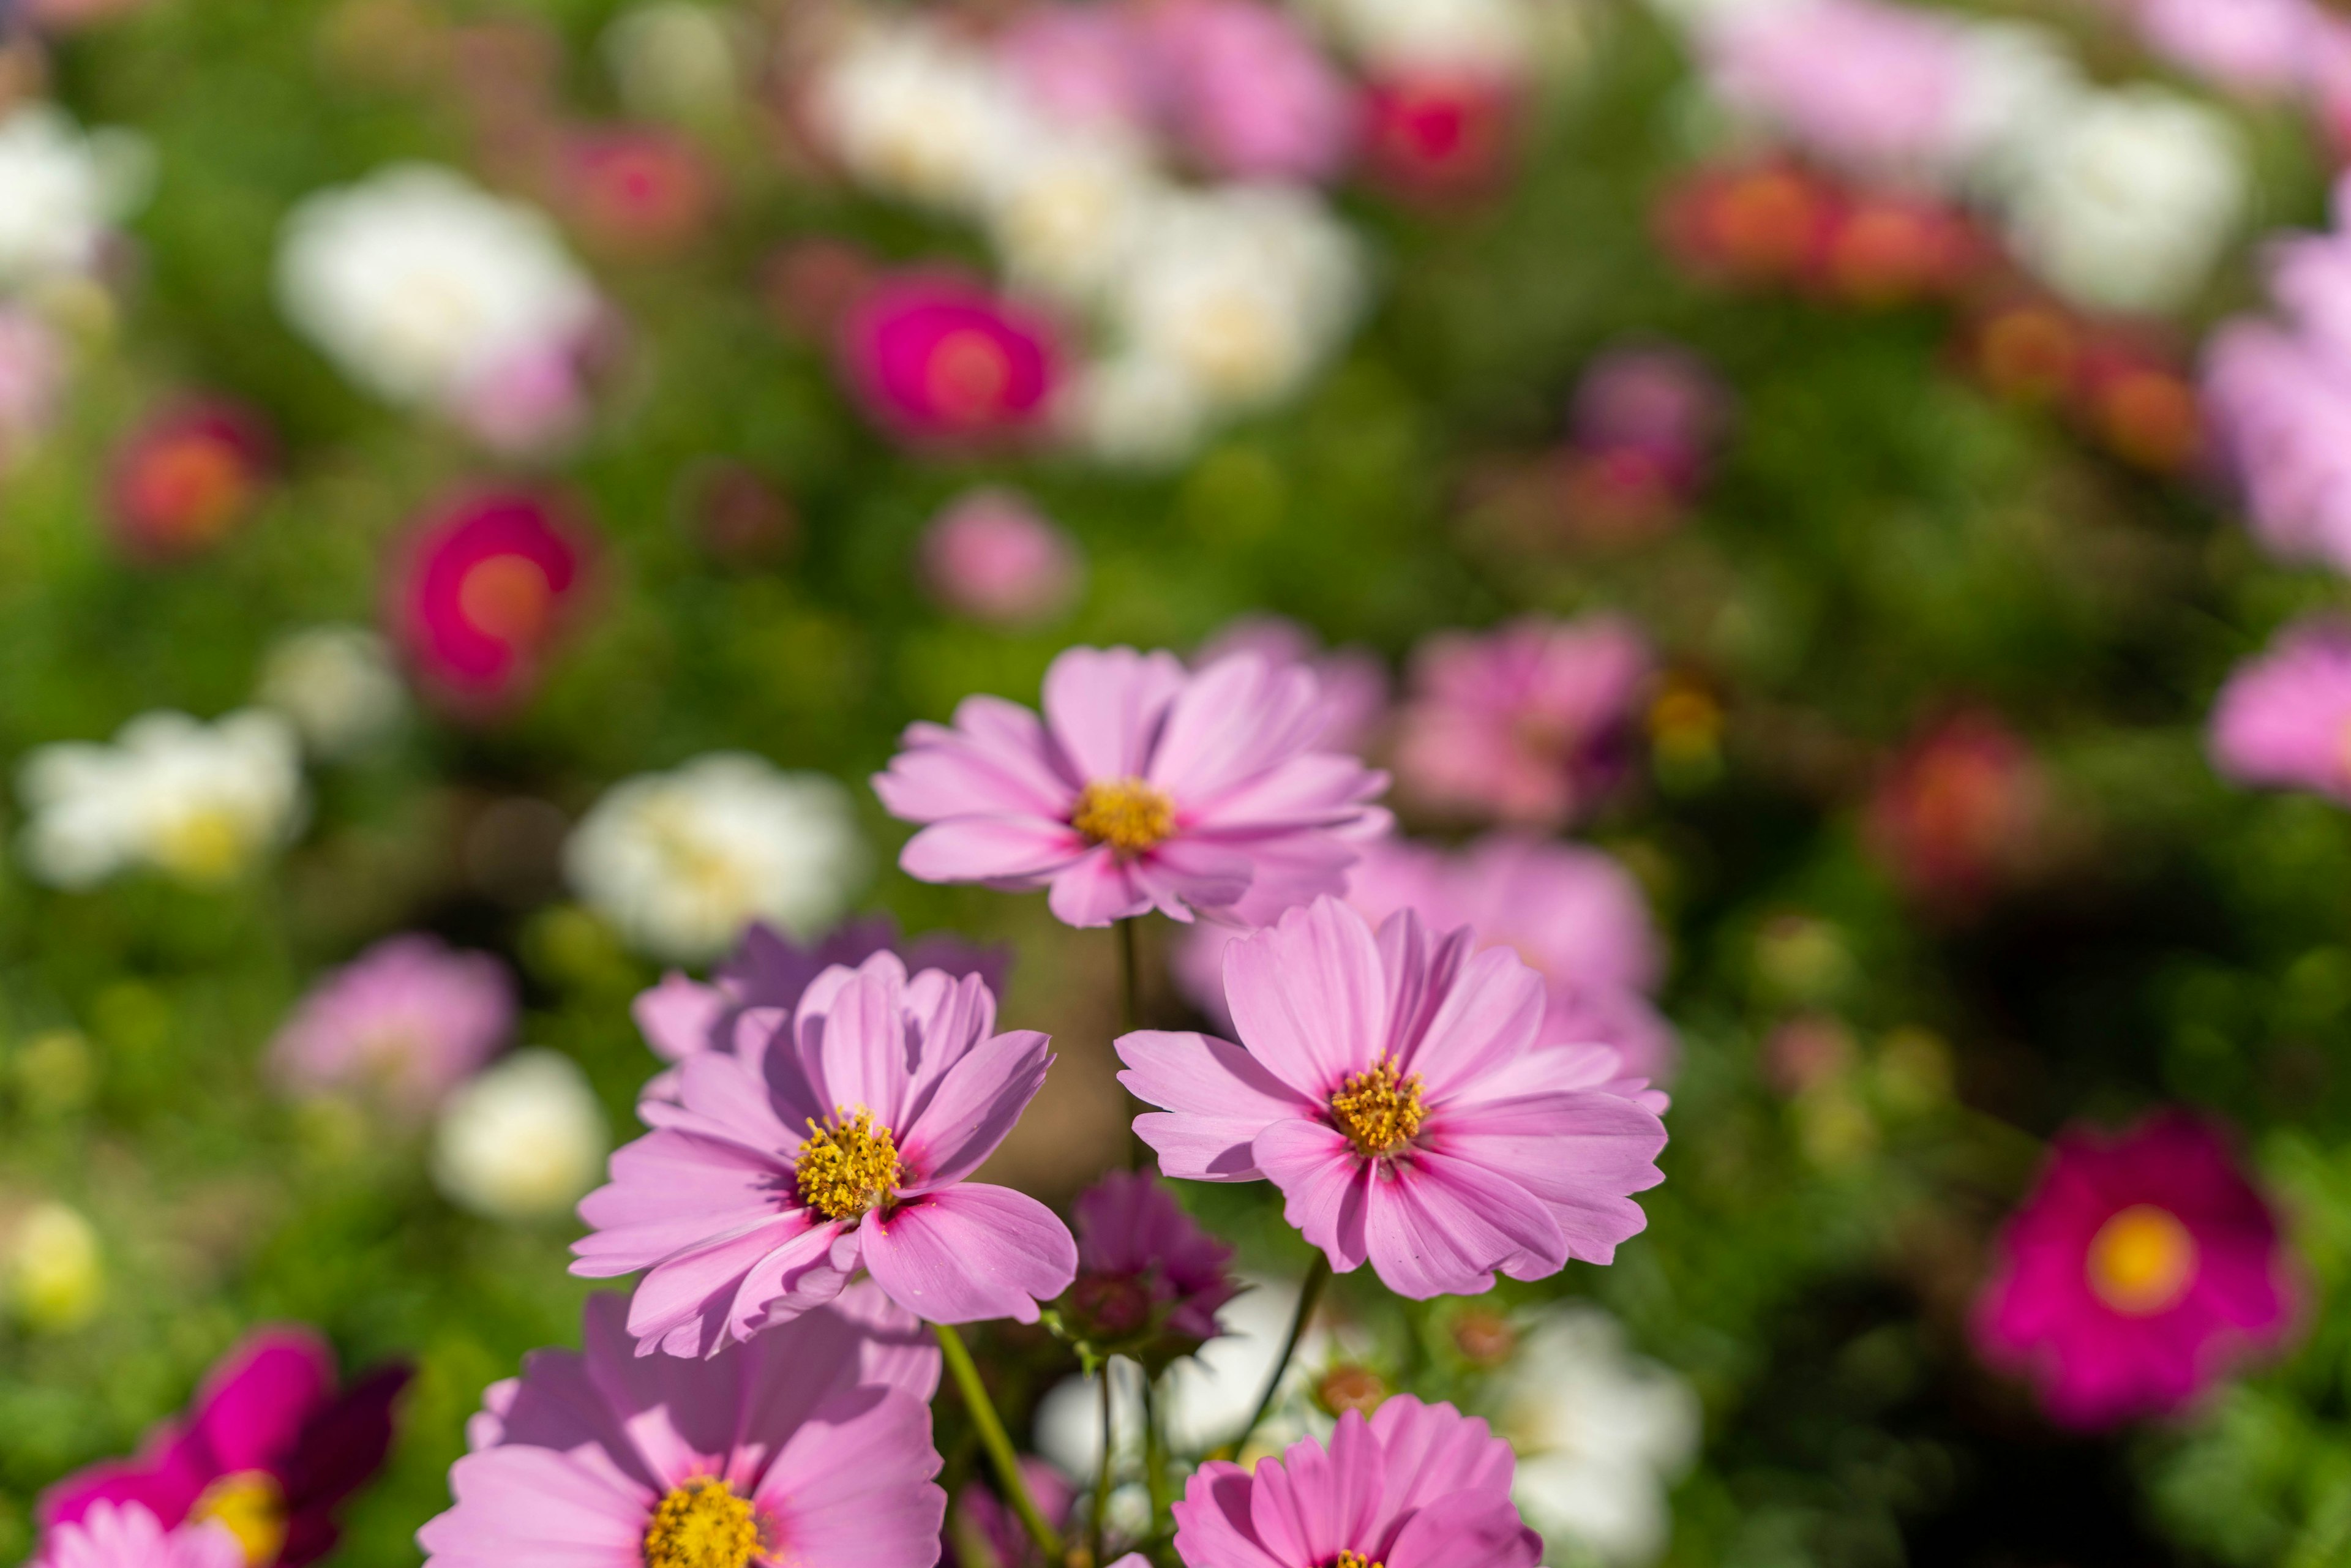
(811, 1446)
(2139, 1271)
(483, 590)
(940, 361)
(126, 1535)
(1399, 1090)
(987, 1516)
(269, 1449)
(1144, 785)
(1873, 87)
(2284, 719)
(842, 1140)
(409, 1019)
(1354, 679)
(186, 476)
(994, 557)
(1438, 135)
(1416, 1486)
(1531, 723)
(1145, 1267)
(1245, 92)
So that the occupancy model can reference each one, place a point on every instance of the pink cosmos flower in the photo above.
(841, 1141)
(1087, 65)
(941, 362)
(1415, 1486)
(1146, 1266)
(409, 1018)
(1143, 786)
(1354, 679)
(994, 557)
(812, 1446)
(2284, 719)
(483, 590)
(988, 1522)
(2249, 46)
(185, 478)
(269, 1451)
(1531, 723)
(1397, 1089)
(682, 1017)
(1246, 91)
(126, 1535)
(2139, 1271)
(1874, 88)
(2281, 411)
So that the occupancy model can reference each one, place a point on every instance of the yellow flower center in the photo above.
(252, 1505)
(204, 845)
(848, 1166)
(702, 1524)
(1355, 1559)
(1379, 1110)
(2142, 1261)
(1127, 814)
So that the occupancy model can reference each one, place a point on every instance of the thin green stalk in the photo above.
(1309, 1295)
(992, 1438)
(1154, 1456)
(1102, 1472)
(1131, 978)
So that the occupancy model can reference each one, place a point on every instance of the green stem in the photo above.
(1102, 1473)
(992, 1438)
(1130, 978)
(1154, 1456)
(1309, 1295)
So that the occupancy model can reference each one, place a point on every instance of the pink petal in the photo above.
(1491, 1015)
(671, 1190)
(865, 1058)
(848, 1490)
(682, 1303)
(1438, 1227)
(971, 1252)
(1213, 1527)
(1104, 707)
(1231, 723)
(997, 760)
(1326, 1187)
(1004, 850)
(252, 1410)
(1218, 1097)
(1318, 1503)
(1096, 890)
(530, 1508)
(1307, 995)
(1465, 1532)
(1433, 1450)
(976, 1103)
(677, 1016)
(1581, 1152)
(1185, 873)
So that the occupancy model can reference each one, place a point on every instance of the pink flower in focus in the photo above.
(1871, 86)
(409, 1018)
(1354, 679)
(940, 361)
(1087, 65)
(1246, 91)
(483, 590)
(2284, 719)
(126, 1535)
(811, 1447)
(993, 557)
(1145, 1267)
(1415, 1486)
(1531, 723)
(2139, 1271)
(269, 1450)
(1143, 786)
(844, 1143)
(1399, 1090)
(187, 475)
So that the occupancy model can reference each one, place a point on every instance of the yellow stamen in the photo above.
(702, 1524)
(1355, 1559)
(1127, 814)
(2142, 1261)
(1379, 1110)
(252, 1505)
(848, 1166)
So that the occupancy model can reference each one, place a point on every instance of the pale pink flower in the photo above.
(1087, 65)
(409, 1019)
(127, 1536)
(1415, 1486)
(1144, 785)
(1874, 87)
(994, 557)
(835, 1140)
(1531, 723)
(2249, 46)
(1354, 680)
(2281, 411)
(1246, 91)
(1397, 1089)
(811, 1446)
(2284, 719)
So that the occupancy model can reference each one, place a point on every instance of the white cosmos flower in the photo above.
(1137, 410)
(2126, 204)
(1601, 1436)
(1067, 209)
(422, 288)
(681, 863)
(199, 802)
(523, 1139)
(338, 685)
(60, 192)
(917, 115)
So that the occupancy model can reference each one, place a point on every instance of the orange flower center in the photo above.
(252, 1506)
(1127, 814)
(2142, 1261)
(506, 597)
(968, 375)
(1378, 1110)
(192, 489)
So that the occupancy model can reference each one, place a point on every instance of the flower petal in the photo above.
(1440, 1227)
(1096, 890)
(1326, 1187)
(1307, 995)
(851, 1487)
(971, 1252)
(1006, 850)
(976, 1105)
(1105, 708)
(1218, 1099)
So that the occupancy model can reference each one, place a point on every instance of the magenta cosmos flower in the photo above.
(269, 1451)
(842, 1142)
(811, 1447)
(1531, 724)
(2284, 719)
(1145, 1268)
(1416, 1486)
(1143, 786)
(2137, 1272)
(938, 361)
(409, 1019)
(1397, 1090)
(125, 1535)
(483, 590)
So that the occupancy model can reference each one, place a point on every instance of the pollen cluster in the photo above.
(1355, 1559)
(702, 1524)
(848, 1166)
(252, 1506)
(2142, 1261)
(1127, 814)
(1378, 1110)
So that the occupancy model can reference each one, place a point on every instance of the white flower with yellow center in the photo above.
(199, 802)
(680, 863)
(338, 685)
(1066, 211)
(524, 1139)
(917, 115)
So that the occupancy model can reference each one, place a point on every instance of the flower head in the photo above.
(185, 478)
(409, 1018)
(1145, 1269)
(65, 191)
(834, 1139)
(1415, 1486)
(636, 188)
(483, 590)
(1441, 135)
(940, 361)
(2280, 407)
(126, 1535)
(812, 1446)
(1399, 1090)
(993, 557)
(269, 1451)
(2284, 719)
(1246, 91)
(337, 684)
(1964, 808)
(1142, 786)
(2140, 1270)
(521, 1140)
